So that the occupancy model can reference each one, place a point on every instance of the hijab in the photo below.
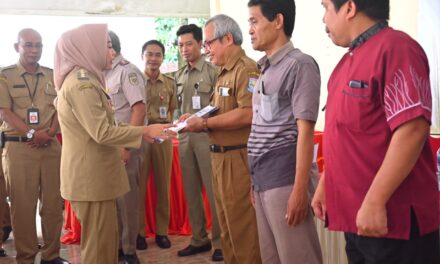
(85, 47)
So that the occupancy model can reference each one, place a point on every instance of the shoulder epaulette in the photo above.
(82, 75)
(169, 76)
(10, 67)
(181, 68)
(124, 62)
(46, 68)
(85, 86)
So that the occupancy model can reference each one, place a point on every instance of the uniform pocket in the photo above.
(50, 94)
(205, 91)
(20, 98)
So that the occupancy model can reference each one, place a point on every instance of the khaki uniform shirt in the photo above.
(162, 93)
(125, 86)
(198, 81)
(91, 165)
(234, 90)
(20, 91)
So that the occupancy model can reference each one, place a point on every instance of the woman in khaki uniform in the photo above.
(92, 171)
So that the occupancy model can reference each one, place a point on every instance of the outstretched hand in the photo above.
(158, 132)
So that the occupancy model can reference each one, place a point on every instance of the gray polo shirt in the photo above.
(288, 89)
(125, 86)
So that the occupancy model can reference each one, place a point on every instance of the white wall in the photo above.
(132, 31)
(309, 34)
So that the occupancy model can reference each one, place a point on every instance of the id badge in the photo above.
(33, 116)
(196, 102)
(163, 112)
(224, 91)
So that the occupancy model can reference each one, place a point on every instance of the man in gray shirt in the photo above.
(126, 88)
(285, 106)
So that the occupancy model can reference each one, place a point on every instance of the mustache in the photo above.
(327, 30)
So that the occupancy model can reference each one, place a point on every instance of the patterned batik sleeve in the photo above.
(407, 90)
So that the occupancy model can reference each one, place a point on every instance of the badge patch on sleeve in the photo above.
(133, 79)
(253, 78)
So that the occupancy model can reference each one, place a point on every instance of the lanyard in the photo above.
(29, 89)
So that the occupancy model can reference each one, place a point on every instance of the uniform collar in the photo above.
(368, 34)
(234, 59)
(117, 60)
(160, 78)
(198, 66)
(276, 57)
(22, 70)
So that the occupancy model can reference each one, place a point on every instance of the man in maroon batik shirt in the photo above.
(379, 185)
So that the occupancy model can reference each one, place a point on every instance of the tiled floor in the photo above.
(153, 255)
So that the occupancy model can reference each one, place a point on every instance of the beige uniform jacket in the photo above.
(161, 93)
(234, 90)
(196, 81)
(17, 92)
(91, 165)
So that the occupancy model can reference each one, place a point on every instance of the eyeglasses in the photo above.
(208, 43)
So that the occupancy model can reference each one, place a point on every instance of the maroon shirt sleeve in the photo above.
(407, 91)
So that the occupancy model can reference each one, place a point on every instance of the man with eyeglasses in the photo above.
(31, 157)
(195, 83)
(228, 131)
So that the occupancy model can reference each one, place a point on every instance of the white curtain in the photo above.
(429, 38)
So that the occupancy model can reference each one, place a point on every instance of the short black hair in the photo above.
(153, 42)
(191, 28)
(270, 9)
(374, 9)
(116, 44)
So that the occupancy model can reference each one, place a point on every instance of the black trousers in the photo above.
(417, 250)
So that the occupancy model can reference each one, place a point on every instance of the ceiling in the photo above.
(156, 8)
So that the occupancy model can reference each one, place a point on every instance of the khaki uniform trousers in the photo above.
(99, 231)
(160, 157)
(128, 206)
(195, 162)
(7, 211)
(238, 223)
(34, 174)
(3, 207)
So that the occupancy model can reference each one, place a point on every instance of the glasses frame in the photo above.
(208, 43)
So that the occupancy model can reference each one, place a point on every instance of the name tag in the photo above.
(163, 112)
(225, 91)
(33, 116)
(196, 102)
(19, 86)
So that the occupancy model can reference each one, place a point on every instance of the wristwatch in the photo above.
(30, 134)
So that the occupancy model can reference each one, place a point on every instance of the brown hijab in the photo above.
(85, 47)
